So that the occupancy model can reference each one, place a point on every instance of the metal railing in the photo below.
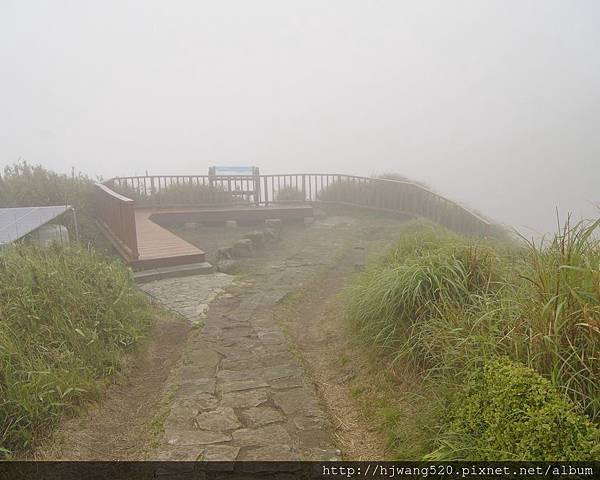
(394, 196)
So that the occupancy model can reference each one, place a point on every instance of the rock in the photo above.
(247, 399)
(276, 372)
(224, 253)
(231, 223)
(202, 402)
(200, 385)
(257, 238)
(238, 375)
(259, 416)
(282, 453)
(195, 437)
(181, 453)
(272, 235)
(271, 338)
(243, 248)
(219, 420)
(220, 453)
(274, 223)
(323, 454)
(300, 401)
(241, 385)
(261, 437)
(227, 266)
(309, 423)
(286, 383)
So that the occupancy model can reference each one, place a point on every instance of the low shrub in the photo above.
(179, 194)
(25, 185)
(289, 194)
(401, 178)
(395, 193)
(67, 318)
(507, 411)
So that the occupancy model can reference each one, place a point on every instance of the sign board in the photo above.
(233, 170)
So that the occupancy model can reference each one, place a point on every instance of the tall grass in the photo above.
(447, 305)
(67, 318)
(562, 303)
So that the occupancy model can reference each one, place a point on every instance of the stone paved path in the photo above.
(240, 392)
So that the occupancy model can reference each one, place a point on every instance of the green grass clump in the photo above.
(428, 269)
(67, 318)
(507, 411)
(444, 305)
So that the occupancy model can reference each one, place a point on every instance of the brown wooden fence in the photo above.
(116, 216)
(118, 197)
(374, 193)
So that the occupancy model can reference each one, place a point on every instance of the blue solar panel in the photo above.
(17, 222)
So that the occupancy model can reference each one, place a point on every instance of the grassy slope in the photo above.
(439, 306)
(25, 185)
(67, 319)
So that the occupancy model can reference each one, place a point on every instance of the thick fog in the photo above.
(494, 104)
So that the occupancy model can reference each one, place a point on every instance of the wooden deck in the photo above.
(242, 215)
(158, 247)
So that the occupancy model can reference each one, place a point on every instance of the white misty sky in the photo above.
(495, 104)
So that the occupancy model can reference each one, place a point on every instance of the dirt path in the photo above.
(238, 388)
(314, 321)
(120, 427)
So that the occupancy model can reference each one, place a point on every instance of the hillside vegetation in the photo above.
(25, 185)
(67, 319)
(502, 341)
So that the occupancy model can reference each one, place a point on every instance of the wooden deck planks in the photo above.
(157, 245)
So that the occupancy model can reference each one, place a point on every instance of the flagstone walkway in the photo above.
(240, 392)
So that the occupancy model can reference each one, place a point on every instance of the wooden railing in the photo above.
(401, 197)
(115, 214)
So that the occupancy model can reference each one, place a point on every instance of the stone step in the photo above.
(202, 268)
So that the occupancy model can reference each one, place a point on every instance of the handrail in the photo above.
(112, 193)
(395, 196)
(115, 214)
(479, 217)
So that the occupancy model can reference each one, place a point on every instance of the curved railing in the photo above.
(394, 196)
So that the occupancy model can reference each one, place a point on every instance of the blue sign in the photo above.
(233, 170)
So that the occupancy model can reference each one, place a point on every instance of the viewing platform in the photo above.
(135, 213)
